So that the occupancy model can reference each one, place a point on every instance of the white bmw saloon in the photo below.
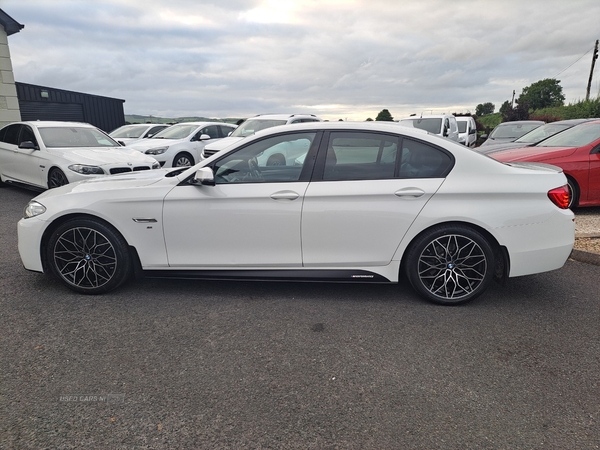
(353, 202)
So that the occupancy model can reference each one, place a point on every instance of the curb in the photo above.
(585, 257)
(587, 235)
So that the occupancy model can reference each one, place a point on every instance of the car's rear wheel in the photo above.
(88, 256)
(573, 192)
(183, 160)
(450, 264)
(56, 178)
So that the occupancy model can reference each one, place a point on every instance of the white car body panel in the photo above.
(374, 215)
(263, 230)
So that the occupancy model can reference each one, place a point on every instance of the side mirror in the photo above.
(28, 145)
(204, 176)
(484, 136)
(204, 137)
(121, 143)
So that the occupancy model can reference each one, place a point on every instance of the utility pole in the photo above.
(512, 103)
(594, 58)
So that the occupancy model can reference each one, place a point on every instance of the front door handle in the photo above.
(285, 195)
(409, 192)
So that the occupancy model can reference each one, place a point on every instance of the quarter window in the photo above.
(421, 160)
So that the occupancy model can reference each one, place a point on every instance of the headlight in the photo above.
(86, 170)
(156, 151)
(156, 165)
(34, 209)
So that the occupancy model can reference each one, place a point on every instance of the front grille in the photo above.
(117, 170)
(206, 153)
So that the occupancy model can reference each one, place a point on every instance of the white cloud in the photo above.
(338, 59)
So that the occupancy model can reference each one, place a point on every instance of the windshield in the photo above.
(542, 133)
(180, 131)
(251, 126)
(432, 125)
(128, 131)
(512, 131)
(577, 136)
(73, 137)
(462, 126)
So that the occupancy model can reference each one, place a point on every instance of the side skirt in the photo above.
(347, 276)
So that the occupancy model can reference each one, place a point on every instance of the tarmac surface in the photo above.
(175, 364)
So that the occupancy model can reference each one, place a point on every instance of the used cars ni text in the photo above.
(45, 155)
(361, 202)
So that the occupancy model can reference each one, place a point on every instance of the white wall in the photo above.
(9, 105)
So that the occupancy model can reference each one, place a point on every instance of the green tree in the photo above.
(542, 94)
(484, 109)
(369, 120)
(384, 115)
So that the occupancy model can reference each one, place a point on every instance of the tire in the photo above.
(276, 160)
(183, 160)
(574, 191)
(450, 264)
(56, 178)
(88, 256)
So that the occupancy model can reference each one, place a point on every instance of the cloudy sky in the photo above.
(339, 59)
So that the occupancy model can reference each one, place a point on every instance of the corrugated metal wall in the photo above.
(45, 103)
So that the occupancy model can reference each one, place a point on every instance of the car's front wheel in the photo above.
(450, 264)
(88, 256)
(56, 178)
(183, 160)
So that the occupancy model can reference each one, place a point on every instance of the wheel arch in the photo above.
(577, 188)
(502, 259)
(132, 251)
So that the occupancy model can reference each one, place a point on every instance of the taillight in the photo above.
(560, 196)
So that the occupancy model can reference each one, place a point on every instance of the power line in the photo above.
(591, 48)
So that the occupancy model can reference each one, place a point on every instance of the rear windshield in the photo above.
(512, 131)
(432, 125)
(251, 126)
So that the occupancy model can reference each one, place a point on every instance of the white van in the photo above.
(441, 124)
(467, 130)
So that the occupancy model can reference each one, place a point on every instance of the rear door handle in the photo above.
(285, 195)
(409, 192)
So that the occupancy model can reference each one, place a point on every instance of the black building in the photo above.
(46, 103)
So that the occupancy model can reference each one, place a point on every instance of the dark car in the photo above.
(511, 131)
(534, 137)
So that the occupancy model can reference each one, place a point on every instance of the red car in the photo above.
(576, 151)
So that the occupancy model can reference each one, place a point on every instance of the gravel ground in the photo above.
(587, 229)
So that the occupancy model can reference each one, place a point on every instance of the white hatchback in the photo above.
(181, 144)
(50, 154)
(362, 202)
